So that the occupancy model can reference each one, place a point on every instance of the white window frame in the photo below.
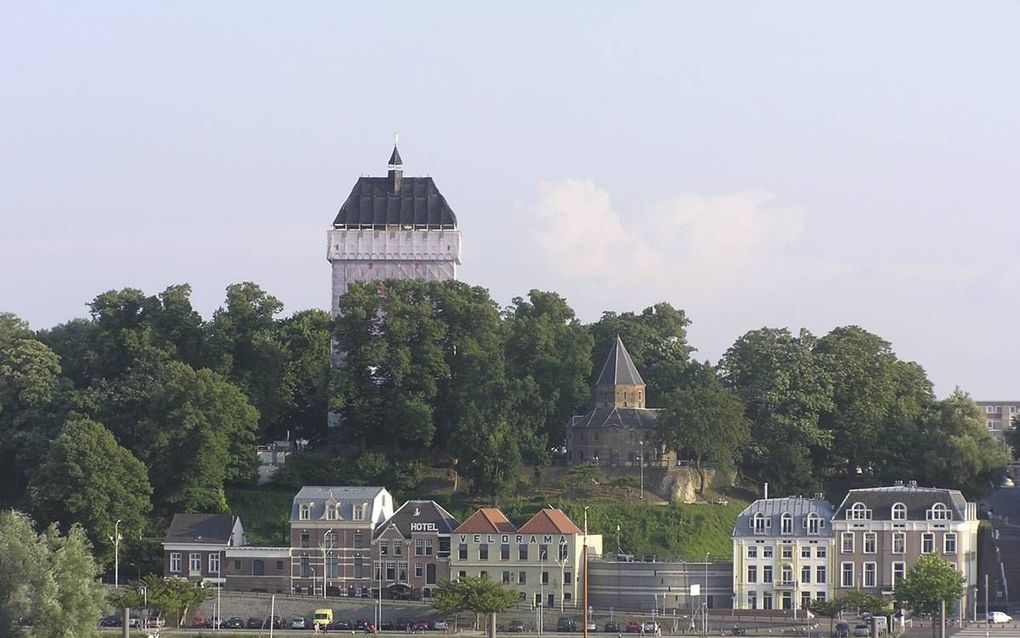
(858, 512)
(752, 574)
(821, 574)
(194, 563)
(872, 538)
(305, 512)
(821, 551)
(844, 546)
(805, 574)
(899, 541)
(898, 570)
(843, 573)
(813, 526)
(767, 574)
(786, 524)
(786, 552)
(175, 562)
(767, 551)
(214, 563)
(760, 524)
(752, 551)
(949, 537)
(899, 512)
(869, 574)
(359, 512)
(939, 512)
(927, 542)
(786, 575)
(333, 512)
(805, 551)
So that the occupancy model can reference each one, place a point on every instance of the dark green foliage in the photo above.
(929, 582)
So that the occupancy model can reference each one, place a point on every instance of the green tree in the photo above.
(785, 393)
(306, 337)
(959, 451)
(168, 597)
(47, 577)
(488, 453)
(705, 423)
(546, 344)
(929, 582)
(477, 595)
(88, 479)
(657, 341)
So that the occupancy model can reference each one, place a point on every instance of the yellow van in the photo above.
(323, 617)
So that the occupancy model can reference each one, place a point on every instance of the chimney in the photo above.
(913, 484)
(766, 490)
(818, 496)
(897, 483)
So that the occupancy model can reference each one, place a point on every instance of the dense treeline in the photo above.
(145, 408)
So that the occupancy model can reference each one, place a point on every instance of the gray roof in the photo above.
(617, 418)
(395, 157)
(214, 529)
(619, 368)
(346, 496)
(774, 508)
(420, 512)
(918, 500)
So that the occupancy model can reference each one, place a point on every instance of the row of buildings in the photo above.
(787, 552)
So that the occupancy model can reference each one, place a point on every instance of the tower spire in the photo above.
(396, 167)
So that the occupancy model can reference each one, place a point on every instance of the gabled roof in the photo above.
(798, 507)
(214, 529)
(617, 417)
(345, 496)
(619, 368)
(487, 520)
(550, 521)
(406, 519)
(918, 500)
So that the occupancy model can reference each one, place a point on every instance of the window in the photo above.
(846, 542)
(759, 523)
(870, 540)
(391, 571)
(306, 568)
(995, 425)
(332, 511)
(279, 565)
(805, 574)
(419, 570)
(813, 523)
(991, 409)
(175, 562)
(359, 567)
(820, 596)
(462, 551)
(329, 539)
(949, 543)
(786, 551)
(543, 552)
(545, 578)
(305, 539)
(522, 577)
(787, 600)
(752, 600)
(359, 512)
(846, 575)
(787, 575)
(214, 563)
(899, 570)
(567, 596)
(899, 542)
(305, 513)
(462, 574)
(939, 512)
(195, 563)
(786, 524)
(858, 512)
(258, 567)
(419, 547)
(483, 574)
(752, 573)
(504, 551)
(899, 512)
(766, 551)
(522, 552)
(538, 599)
(752, 551)
(483, 551)
(237, 566)
(359, 540)
(766, 600)
(927, 542)
(766, 574)
(428, 547)
(564, 551)
(507, 577)
(805, 551)
(821, 551)
(332, 565)
(869, 574)
(820, 574)
(384, 549)
(567, 578)
(805, 599)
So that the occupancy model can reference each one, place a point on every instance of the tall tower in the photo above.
(392, 227)
(619, 385)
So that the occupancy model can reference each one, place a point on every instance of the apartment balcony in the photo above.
(784, 584)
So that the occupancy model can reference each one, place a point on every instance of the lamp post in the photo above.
(641, 468)
(541, 592)
(561, 560)
(116, 553)
(325, 571)
(313, 579)
(704, 611)
(381, 568)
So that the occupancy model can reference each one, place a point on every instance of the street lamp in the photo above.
(704, 611)
(327, 536)
(561, 560)
(116, 553)
(314, 576)
(541, 591)
(641, 468)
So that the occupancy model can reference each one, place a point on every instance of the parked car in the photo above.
(111, 621)
(339, 623)
(650, 627)
(633, 627)
(386, 625)
(235, 622)
(612, 627)
(861, 630)
(566, 624)
(592, 626)
(277, 622)
(254, 623)
(516, 626)
(440, 625)
(421, 625)
(298, 622)
(999, 617)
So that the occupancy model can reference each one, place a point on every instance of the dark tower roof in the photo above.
(395, 202)
(619, 368)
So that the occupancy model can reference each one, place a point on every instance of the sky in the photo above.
(782, 164)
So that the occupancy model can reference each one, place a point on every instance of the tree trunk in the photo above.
(701, 474)
(490, 625)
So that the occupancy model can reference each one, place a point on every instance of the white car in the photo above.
(999, 617)
(297, 622)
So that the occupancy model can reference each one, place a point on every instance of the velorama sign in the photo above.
(519, 539)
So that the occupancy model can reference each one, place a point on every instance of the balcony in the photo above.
(785, 584)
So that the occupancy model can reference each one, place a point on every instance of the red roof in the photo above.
(487, 520)
(550, 521)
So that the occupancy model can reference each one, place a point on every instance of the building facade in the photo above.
(392, 227)
(195, 544)
(999, 417)
(542, 560)
(331, 532)
(879, 532)
(411, 550)
(619, 429)
(783, 554)
(662, 586)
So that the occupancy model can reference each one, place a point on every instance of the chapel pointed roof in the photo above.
(395, 157)
(619, 368)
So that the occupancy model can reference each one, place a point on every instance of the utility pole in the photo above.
(327, 536)
(584, 567)
(641, 469)
(116, 554)
(704, 611)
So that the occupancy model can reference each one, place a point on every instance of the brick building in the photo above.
(411, 550)
(194, 545)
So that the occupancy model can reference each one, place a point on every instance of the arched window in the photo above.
(786, 523)
(759, 523)
(939, 512)
(813, 523)
(858, 512)
(899, 512)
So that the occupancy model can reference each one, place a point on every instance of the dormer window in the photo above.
(858, 512)
(813, 521)
(939, 512)
(305, 512)
(899, 512)
(760, 523)
(333, 511)
(359, 512)
(786, 523)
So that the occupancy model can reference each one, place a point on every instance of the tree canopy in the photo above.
(929, 582)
